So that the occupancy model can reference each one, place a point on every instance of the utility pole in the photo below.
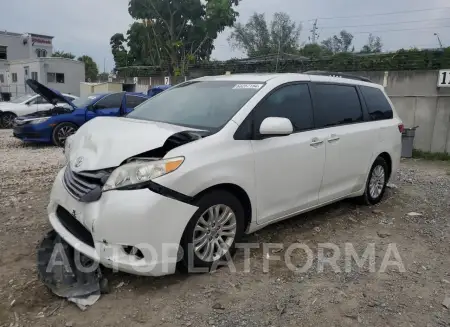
(278, 54)
(314, 35)
(439, 40)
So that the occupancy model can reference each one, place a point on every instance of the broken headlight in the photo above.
(139, 172)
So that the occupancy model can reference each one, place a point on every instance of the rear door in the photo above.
(349, 142)
(288, 169)
(133, 101)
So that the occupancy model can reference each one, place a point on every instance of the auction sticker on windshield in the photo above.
(247, 86)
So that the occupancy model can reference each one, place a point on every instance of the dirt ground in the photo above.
(280, 297)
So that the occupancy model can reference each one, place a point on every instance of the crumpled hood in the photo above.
(105, 142)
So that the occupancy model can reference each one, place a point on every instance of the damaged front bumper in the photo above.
(136, 231)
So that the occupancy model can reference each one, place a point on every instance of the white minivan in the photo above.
(180, 179)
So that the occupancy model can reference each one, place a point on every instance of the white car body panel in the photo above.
(27, 107)
(281, 176)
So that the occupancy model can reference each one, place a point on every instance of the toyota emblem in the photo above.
(78, 162)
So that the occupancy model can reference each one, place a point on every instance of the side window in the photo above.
(336, 105)
(377, 104)
(38, 100)
(110, 101)
(134, 101)
(292, 102)
(41, 100)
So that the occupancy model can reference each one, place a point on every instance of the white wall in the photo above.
(73, 71)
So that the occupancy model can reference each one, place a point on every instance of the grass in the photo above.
(438, 156)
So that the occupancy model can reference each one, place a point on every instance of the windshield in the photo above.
(22, 98)
(84, 101)
(204, 105)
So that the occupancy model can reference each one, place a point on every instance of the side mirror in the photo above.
(276, 126)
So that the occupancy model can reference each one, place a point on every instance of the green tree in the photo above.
(62, 54)
(314, 50)
(373, 45)
(175, 33)
(90, 68)
(341, 43)
(120, 54)
(256, 39)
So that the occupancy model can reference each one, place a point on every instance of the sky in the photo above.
(86, 26)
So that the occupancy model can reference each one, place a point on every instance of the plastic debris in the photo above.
(68, 273)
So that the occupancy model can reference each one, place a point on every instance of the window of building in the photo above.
(377, 104)
(41, 53)
(34, 75)
(2, 78)
(336, 105)
(292, 102)
(14, 77)
(55, 78)
(134, 101)
(3, 52)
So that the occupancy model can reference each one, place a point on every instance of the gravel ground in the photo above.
(278, 298)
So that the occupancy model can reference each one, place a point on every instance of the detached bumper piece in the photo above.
(67, 273)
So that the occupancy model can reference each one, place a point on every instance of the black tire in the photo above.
(7, 120)
(368, 198)
(67, 129)
(190, 261)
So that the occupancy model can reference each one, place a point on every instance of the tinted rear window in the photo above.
(377, 104)
(336, 105)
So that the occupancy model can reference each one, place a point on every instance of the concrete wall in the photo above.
(17, 50)
(73, 71)
(91, 88)
(419, 102)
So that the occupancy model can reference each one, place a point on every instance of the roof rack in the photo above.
(338, 74)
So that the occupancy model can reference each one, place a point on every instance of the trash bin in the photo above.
(407, 141)
(5, 96)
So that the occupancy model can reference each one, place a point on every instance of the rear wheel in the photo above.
(376, 182)
(61, 132)
(7, 119)
(211, 234)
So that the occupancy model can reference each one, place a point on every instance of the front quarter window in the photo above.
(205, 105)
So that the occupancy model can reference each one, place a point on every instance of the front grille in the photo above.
(85, 186)
(74, 226)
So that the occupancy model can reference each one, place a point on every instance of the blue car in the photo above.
(157, 89)
(56, 124)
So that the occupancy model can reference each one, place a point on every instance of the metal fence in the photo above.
(15, 90)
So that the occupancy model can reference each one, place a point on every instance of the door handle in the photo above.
(333, 138)
(315, 142)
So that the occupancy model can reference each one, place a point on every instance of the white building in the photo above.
(24, 56)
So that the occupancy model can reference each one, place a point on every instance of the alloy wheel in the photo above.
(8, 120)
(214, 233)
(64, 132)
(377, 181)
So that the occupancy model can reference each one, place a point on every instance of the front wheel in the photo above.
(211, 234)
(7, 120)
(376, 182)
(61, 132)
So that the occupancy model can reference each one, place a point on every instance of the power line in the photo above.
(403, 29)
(379, 14)
(394, 23)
